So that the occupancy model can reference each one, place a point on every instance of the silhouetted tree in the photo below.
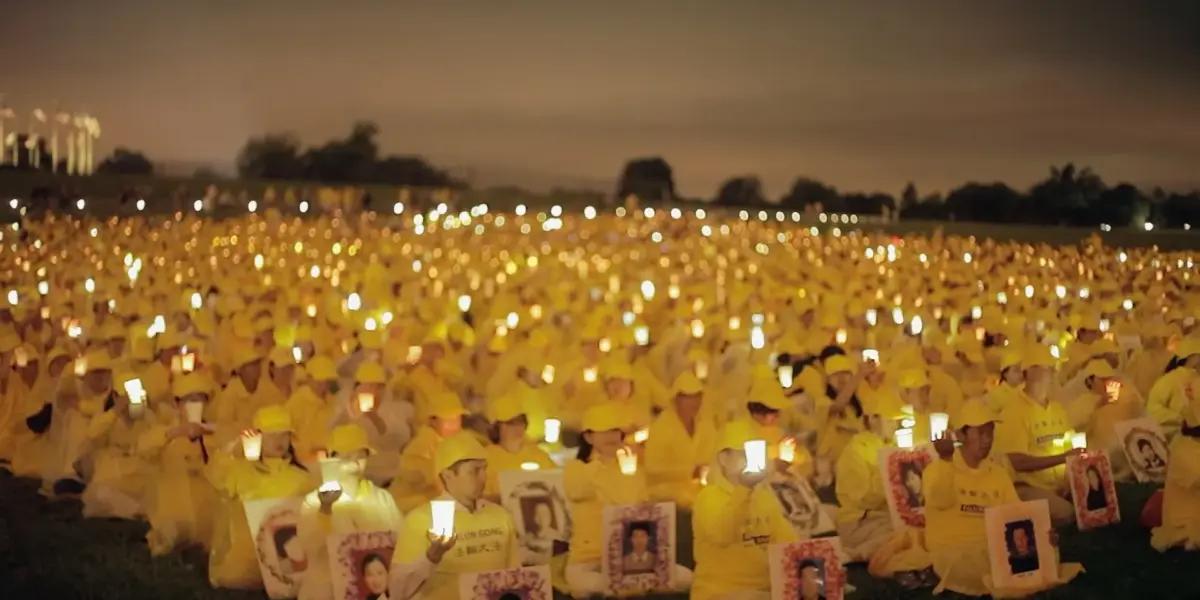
(1175, 210)
(126, 162)
(272, 156)
(995, 203)
(648, 178)
(741, 191)
(908, 198)
(1064, 197)
(351, 159)
(1120, 206)
(807, 191)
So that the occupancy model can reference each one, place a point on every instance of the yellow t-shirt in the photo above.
(672, 457)
(499, 460)
(956, 496)
(859, 486)
(486, 542)
(733, 525)
(1027, 427)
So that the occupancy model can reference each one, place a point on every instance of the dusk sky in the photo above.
(863, 95)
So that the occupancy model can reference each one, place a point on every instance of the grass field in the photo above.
(48, 551)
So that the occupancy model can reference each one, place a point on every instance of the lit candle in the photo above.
(704, 475)
(297, 354)
(194, 412)
(870, 355)
(756, 456)
(641, 334)
(904, 437)
(938, 423)
(840, 336)
(872, 316)
(1113, 389)
(627, 461)
(605, 345)
(252, 445)
(187, 363)
(590, 374)
(366, 401)
(414, 354)
(640, 436)
(331, 470)
(81, 366)
(1079, 440)
(548, 374)
(758, 340)
(553, 429)
(702, 370)
(135, 391)
(464, 303)
(529, 466)
(785, 373)
(21, 356)
(443, 518)
(697, 328)
(787, 450)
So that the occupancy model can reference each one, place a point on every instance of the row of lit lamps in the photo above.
(82, 131)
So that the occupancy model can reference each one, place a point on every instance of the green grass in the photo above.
(48, 551)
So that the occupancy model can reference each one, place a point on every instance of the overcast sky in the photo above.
(864, 95)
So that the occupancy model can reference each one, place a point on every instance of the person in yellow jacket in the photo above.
(592, 481)
(915, 393)
(428, 564)
(844, 416)
(312, 407)
(1181, 496)
(353, 504)
(619, 388)
(1012, 381)
(247, 391)
(735, 518)
(27, 394)
(959, 487)
(1166, 400)
(179, 499)
(1107, 401)
(416, 480)
(238, 478)
(511, 450)
(1032, 435)
(680, 445)
(117, 482)
(281, 371)
(863, 522)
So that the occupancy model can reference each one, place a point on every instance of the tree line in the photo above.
(1068, 196)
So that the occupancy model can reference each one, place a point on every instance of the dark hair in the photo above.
(831, 350)
(1176, 362)
(758, 408)
(908, 467)
(281, 537)
(370, 558)
(855, 403)
(808, 562)
(493, 431)
(640, 526)
(1143, 443)
(584, 454)
(1010, 530)
(990, 340)
(509, 596)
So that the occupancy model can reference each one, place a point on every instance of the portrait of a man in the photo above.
(639, 548)
(1022, 547)
(811, 572)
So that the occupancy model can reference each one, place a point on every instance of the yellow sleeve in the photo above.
(782, 531)
(100, 424)
(1009, 494)
(1184, 468)
(716, 517)
(413, 542)
(1159, 403)
(152, 441)
(939, 485)
(853, 486)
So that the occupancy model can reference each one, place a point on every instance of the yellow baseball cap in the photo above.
(273, 418)
(1098, 367)
(615, 368)
(838, 363)
(687, 384)
(605, 417)
(886, 405)
(975, 413)
(320, 368)
(913, 379)
(736, 433)
(345, 439)
(446, 404)
(243, 353)
(507, 407)
(98, 360)
(195, 382)
(455, 449)
(370, 372)
(767, 391)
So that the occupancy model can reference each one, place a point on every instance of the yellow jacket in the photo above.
(179, 499)
(311, 416)
(1027, 427)
(1167, 399)
(416, 483)
(1181, 498)
(589, 488)
(499, 460)
(231, 559)
(955, 499)
(859, 486)
(672, 457)
(362, 507)
(116, 465)
(235, 406)
(732, 527)
(486, 542)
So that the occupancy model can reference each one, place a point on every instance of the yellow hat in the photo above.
(273, 418)
(320, 368)
(767, 391)
(615, 368)
(370, 372)
(1188, 347)
(446, 404)
(507, 407)
(98, 360)
(975, 413)
(455, 449)
(345, 439)
(736, 433)
(687, 384)
(243, 353)
(1098, 368)
(195, 382)
(371, 340)
(913, 378)
(605, 417)
(886, 405)
(838, 363)
(811, 381)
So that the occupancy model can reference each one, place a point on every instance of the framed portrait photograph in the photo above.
(903, 472)
(801, 506)
(525, 583)
(538, 505)
(360, 564)
(1019, 547)
(639, 551)
(807, 570)
(1145, 446)
(281, 556)
(1092, 490)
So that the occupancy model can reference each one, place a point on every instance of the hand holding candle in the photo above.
(787, 450)
(627, 461)
(366, 402)
(443, 518)
(640, 436)
(756, 456)
(904, 438)
(252, 444)
(1113, 389)
(1079, 440)
(938, 423)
